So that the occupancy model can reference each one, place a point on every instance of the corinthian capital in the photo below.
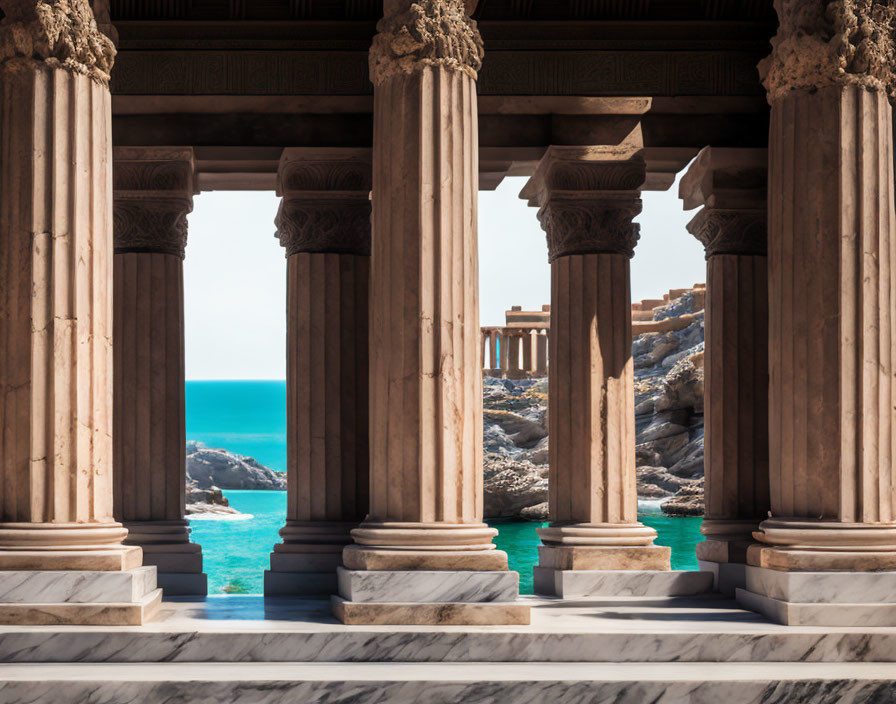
(62, 33)
(153, 193)
(588, 197)
(326, 201)
(427, 33)
(821, 43)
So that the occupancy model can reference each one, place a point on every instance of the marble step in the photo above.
(434, 683)
(251, 629)
(572, 584)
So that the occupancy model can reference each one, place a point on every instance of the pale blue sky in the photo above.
(235, 273)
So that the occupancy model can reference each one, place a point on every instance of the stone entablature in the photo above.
(326, 201)
(153, 189)
(587, 198)
(62, 33)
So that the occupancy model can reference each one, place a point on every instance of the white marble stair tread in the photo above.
(427, 586)
(620, 583)
(397, 683)
(76, 587)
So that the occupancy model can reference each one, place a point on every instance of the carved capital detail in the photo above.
(61, 33)
(428, 33)
(321, 224)
(151, 223)
(824, 43)
(601, 226)
(743, 232)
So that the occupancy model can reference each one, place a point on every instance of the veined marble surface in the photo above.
(427, 586)
(823, 587)
(434, 683)
(587, 583)
(251, 629)
(76, 587)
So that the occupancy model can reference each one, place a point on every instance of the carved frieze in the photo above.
(594, 226)
(62, 33)
(427, 33)
(743, 232)
(149, 222)
(821, 43)
(319, 223)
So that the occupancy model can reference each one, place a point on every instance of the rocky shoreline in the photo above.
(668, 365)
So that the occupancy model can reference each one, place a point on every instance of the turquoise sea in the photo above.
(249, 418)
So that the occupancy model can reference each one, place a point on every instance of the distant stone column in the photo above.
(587, 199)
(730, 185)
(56, 328)
(426, 503)
(324, 225)
(832, 319)
(153, 192)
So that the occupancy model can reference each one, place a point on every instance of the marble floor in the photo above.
(252, 650)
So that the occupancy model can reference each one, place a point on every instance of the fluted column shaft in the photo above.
(56, 298)
(153, 193)
(425, 385)
(730, 185)
(832, 295)
(588, 198)
(324, 225)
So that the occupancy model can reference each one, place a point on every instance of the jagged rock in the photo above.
(687, 502)
(512, 485)
(225, 470)
(539, 512)
(206, 500)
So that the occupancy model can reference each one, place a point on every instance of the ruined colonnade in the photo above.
(384, 353)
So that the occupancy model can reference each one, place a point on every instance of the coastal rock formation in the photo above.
(668, 419)
(206, 500)
(215, 468)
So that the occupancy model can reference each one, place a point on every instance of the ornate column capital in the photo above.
(826, 43)
(153, 191)
(587, 199)
(61, 33)
(326, 201)
(730, 185)
(425, 33)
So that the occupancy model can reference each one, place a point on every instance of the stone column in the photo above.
(61, 554)
(425, 379)
(588, 197)
(730, 185)
(153, 192)
(324, 225)
(828, 551)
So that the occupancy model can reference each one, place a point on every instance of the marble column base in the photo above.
(727, 577)
(821, 559)
(102, 598)
(179, 567)
(579, 557)
(821, 598)
(304, 570)
(112, 559)
(183, 583)
(359, 557)
(572, 584)
(429, 597)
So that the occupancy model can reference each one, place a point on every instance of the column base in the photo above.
(578, 557)
(359, 557)
(111, 559)
(821, 559)
(166, 545)
(305, 563)
(573, 584)
(727, 577)
(87, 598)
(429, 597)
(726, 561)
(821, 598)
